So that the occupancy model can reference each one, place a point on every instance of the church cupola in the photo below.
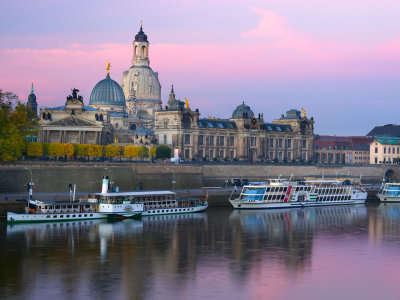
(32, 104)
(140, 49)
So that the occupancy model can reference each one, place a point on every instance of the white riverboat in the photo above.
(153, 202)
(50, 211)
(282, 193)
(389, 192)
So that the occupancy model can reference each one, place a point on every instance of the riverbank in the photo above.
(56, 176)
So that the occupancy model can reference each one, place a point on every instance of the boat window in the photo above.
(61, 216)
(47, 217)
(54, 217)
(67, 216)
(85, 215)
(74, 216)
(91, 215)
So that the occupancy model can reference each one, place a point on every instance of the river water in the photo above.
(343, 252)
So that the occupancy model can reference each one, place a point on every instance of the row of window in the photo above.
(393, 150)
(211, 140)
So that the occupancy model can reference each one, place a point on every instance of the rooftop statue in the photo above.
(108, 67)
(187, 103)
(304, 112)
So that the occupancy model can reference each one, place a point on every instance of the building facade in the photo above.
(243, 137)
(341, 149)
(385, 150)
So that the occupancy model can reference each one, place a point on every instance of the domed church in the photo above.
(140, 83)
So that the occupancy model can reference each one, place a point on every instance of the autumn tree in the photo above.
(34, 149)
(16, 122)
(112, 151)
(152, 152)
(56, 149)
(68, 150)
(45, 148)
(95, 150)
(131, 151)
(143, 151)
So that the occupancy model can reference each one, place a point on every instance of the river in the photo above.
(343, 252)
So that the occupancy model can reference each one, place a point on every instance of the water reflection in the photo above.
(232, 253)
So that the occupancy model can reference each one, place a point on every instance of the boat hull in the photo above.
(252, 205)
(32, 218)
(177, 210)
(388, 199)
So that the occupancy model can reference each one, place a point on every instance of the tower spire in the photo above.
(32, 91)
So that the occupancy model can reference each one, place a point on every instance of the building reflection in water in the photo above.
(165, 256)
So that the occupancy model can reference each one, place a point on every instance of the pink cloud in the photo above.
(273, 50)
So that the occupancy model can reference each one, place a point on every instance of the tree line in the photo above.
(73, 151)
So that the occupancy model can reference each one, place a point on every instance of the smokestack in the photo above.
(104, 187)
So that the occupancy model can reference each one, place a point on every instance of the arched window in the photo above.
(144, 51)
(135, 51)
(186, 123)
(116, 125)
(133, 127)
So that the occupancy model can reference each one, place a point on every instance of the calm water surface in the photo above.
(347, 252)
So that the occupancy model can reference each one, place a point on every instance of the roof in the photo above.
(143, 131)
(276, 127)
(332, 139)
(84, 107)
(388, 130)
(141, 36)
(107, 92)
(387, 140)
(135, 193)
(216, 124)
(242, 111)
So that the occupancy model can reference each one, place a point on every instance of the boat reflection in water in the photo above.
(298, 253)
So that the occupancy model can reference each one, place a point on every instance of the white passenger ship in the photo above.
(281, 193)
(153, 202)
(389, 192)
(50, 211)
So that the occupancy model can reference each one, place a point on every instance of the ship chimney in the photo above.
(104, 187)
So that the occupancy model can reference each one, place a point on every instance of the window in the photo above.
(211, 140)
(116, 125)
(289, 156)
(232, 154)
(271, 155)
(279, 143)
(253, 141)
(232, 141)
(330, 147)
(187, 139)
(165, 139)
(289, 143)
(187, 153)
(165, 124)
(200, 153)
(271, 142)
(376, 150)
(211, 154)
(186, 123)
(376, 160)
(280, 156)
(221, 140)
(389, 150)
(221, 154)
(384, 149)
(200, 139)
(304, 142)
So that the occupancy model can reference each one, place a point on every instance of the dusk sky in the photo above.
(340, 60)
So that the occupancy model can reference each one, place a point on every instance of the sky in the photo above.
(340, 60)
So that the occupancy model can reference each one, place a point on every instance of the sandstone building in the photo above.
(243, 137)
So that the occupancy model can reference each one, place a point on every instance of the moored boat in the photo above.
(389, 192)
(282, 193)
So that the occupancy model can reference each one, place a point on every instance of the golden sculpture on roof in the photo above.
(304, 112)
(108, 67)
(187, 103)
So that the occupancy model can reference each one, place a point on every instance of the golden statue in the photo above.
(304, 112)
(187, 103)
(108, 67)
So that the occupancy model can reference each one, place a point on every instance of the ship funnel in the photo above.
(104, 187)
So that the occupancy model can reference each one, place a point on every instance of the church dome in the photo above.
(107, 92)
(141, 36)
(243, 111)
(142, 83)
